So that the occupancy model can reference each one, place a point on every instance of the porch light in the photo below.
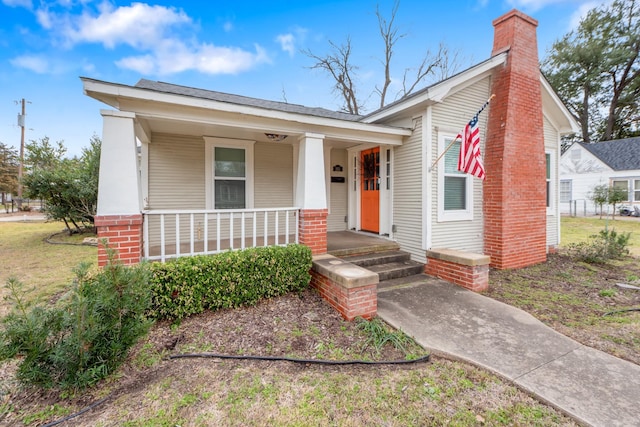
(275, 137)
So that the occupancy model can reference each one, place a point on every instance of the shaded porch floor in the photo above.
(339, 243)
(343, 243)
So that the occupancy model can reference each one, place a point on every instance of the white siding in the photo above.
(176, 172)
(407, 193)
(273, 175)
(585, 171)
(177, 181)
(450, 117)
(338, 192)
(551, 142)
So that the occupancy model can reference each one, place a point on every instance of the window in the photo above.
(565, 190)
(548, 161)
(388, 169)
(636, 190)
(229, 176)
(550, 182)
(229, 173)
(455, 188)
(623, 185)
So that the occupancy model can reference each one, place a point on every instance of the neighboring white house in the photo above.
(214, 164)
(585, 166)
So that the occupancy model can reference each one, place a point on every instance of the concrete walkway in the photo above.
(589, 385)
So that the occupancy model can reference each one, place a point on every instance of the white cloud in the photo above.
(142, 64)
(42, 64)
(290, 41)
(139, 25)
(287, 43)
(162, 37)
(18, 3)
(34, 63)
(173, 57)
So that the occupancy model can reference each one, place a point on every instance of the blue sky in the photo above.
(250, 48)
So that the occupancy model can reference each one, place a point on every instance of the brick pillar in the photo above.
(312, 229)
(515, 186)
(123, 233)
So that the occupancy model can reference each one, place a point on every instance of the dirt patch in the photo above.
(576, 298)
(150, 389)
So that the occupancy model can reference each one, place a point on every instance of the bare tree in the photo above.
(338, 65)
(390, 36)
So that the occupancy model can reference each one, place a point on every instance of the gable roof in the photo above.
(619, 154)
(244, 100)
(438, 91)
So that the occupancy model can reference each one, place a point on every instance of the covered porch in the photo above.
(186, 171)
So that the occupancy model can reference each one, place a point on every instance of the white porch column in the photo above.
(119, 219)
(311, 192)
(119, 186)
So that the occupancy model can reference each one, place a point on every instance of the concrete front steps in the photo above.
(394, 267)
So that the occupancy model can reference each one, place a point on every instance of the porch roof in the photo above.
(160, 107)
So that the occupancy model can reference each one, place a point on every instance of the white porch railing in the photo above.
(175, 233)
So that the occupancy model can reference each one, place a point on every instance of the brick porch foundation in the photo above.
(348, 288)
(122, 233)
(312, 229)
(465, 269)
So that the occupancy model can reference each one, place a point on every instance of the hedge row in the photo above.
(190, 285)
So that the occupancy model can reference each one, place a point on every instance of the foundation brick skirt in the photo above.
(465, 269)
(350, 289)
(122, 233)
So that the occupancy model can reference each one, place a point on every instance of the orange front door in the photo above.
(370, 190)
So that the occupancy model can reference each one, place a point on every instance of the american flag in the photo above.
(470, 160)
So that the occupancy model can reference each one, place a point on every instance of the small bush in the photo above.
(83, 337)
(602, 247)
(190, 285)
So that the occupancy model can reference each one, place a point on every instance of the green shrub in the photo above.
(83, 337)
(190, 285)
(602, 247)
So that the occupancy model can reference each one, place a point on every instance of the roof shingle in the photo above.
(619, 155)
(244, 100)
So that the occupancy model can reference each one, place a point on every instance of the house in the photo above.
(584, 166)
(218, 170)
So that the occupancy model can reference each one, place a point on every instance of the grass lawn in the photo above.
(151, 390)
(575, 230)
(578, 299)
(46, 267)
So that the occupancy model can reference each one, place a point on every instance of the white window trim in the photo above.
(570, 181)
(629, 187)
(210, 144)
(551, 209)
(444, 139)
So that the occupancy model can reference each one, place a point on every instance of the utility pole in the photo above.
(22, 124)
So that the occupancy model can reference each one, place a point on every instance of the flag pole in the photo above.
(457, 136)
(443, 153)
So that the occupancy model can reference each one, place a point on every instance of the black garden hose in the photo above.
(262, 358)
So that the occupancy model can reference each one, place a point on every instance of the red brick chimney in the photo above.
(515, 184)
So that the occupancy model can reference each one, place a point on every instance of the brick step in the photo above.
(374, 258)
(394, 270)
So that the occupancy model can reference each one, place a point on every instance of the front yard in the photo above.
(151, 389)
